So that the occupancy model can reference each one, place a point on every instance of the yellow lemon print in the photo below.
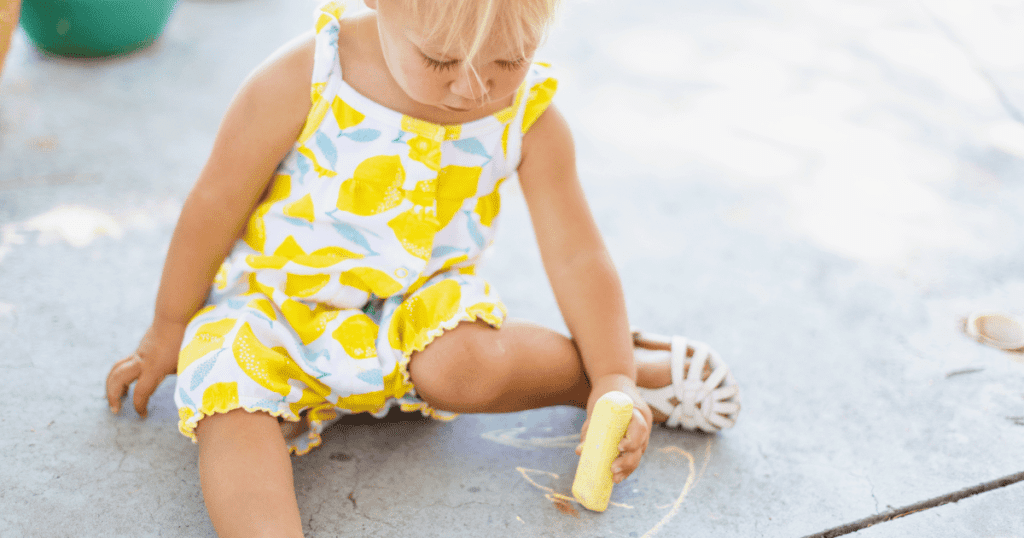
(205, 309)
(221, 279)
(371, 280)
(425, 311)
(301, 209)
(325, 257)
(357, 335)
(375, 186)
(255, 232)
(394, 386)
(255, 286)
(492, 313)
(184, 413)
(426, 151)
(424, 278)
(504, 141)
(452, 132)
(345, 115)
(288, 249)
(423, 193)
(264, 306)
(431, 131)
(538, 101)
(336, 9)
(209, 337)
(319, 107)
(320, 170)
(291, 251)
(415, 230)
(488, 206)
(271, 368)
(308, 322)
(220, 398)
(304, 285)
(454, 184)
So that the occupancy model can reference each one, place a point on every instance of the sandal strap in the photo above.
(710, 404)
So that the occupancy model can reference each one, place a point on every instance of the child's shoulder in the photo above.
(280, 85)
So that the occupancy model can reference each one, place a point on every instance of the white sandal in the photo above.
(703, 394)
(997, 330)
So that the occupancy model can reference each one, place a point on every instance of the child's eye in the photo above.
(511, 65)
(438, 65)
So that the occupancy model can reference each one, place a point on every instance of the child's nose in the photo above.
(469, 85)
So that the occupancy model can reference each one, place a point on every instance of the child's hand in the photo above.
(155, 359)
(638, 433)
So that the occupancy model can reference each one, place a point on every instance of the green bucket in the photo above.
(94, 27)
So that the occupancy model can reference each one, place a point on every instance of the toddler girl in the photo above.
(352, 188)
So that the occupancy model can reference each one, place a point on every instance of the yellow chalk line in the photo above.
(551, 494)
(690, 481)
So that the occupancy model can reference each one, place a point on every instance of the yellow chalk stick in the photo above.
(593, 484)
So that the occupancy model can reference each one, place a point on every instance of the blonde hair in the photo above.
(465, 25)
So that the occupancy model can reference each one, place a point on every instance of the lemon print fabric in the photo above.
(362, 251)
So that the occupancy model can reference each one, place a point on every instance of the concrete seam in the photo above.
(897, 513)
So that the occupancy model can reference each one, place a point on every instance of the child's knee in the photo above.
(462, 370)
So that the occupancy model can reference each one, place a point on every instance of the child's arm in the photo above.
(260, 126)
(582, 275)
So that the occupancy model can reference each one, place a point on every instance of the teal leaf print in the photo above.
(203, 370)
(185, 399)
(473, 147)
(298, 222)
(373, 377)
(310, 360)
(401, 138)
(303, 164)
(445, 250)
(474, 230)
(267, 404)
(362, 135)
(327, 149)
(350, 232)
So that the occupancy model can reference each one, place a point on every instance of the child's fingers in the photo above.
(144, 388)
(120, 377)
(632, 448)
(637, 434)
(624, 465)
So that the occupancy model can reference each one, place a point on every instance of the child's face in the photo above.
(430, 77)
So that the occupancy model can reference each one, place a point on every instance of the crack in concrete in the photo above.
(872, 486)
(309, 520)
(378, 521)
(117, 443)
(896, 513)
(975, 62)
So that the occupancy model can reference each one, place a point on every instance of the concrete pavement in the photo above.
(821, 189)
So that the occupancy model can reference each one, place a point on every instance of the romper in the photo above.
(362, 252)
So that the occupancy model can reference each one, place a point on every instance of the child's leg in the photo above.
(246, 475)
(475, 368)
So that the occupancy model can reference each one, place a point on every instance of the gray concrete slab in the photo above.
(821, 189)
(995, 514)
